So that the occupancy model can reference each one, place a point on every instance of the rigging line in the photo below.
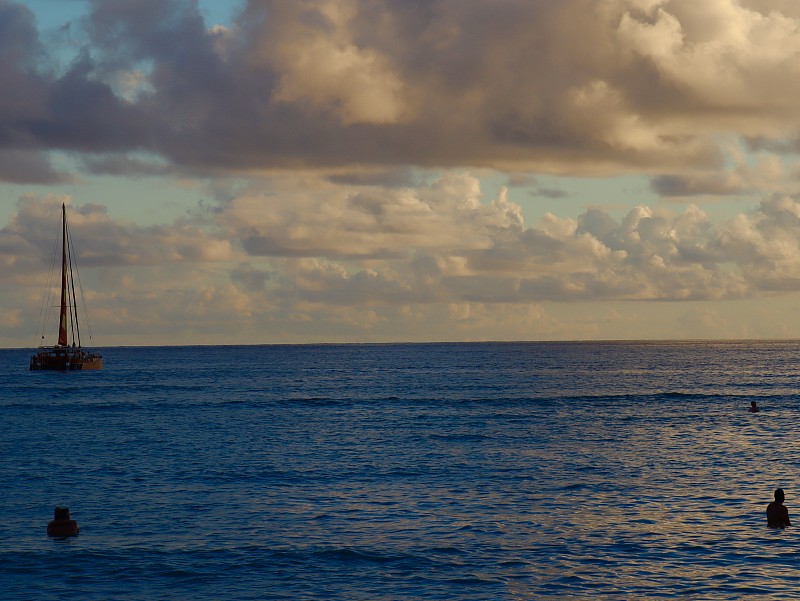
(83, 296)
(74, 309)
(85, 309)
(44, 309)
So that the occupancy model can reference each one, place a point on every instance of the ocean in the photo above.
(484, 471)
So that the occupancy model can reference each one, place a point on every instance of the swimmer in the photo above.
(62, 525)
(777, 514)
(753, 407)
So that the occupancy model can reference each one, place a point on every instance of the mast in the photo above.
(62, 322)
(60, 357)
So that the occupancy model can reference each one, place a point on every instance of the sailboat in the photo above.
(65, 356)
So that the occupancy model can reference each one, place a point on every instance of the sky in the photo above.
(264, 171)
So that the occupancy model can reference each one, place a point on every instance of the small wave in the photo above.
(316, 401)
(447, 550)
(274, 476)
(673, 396)
(350, 555)
(460, 437)
(472, 579)
(62, 407)
(151, 388)
(183, 403)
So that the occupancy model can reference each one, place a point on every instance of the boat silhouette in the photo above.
(66, 356)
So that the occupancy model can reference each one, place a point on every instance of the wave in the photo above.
(460, 437)
(74, 402)
(674, 396)
(351, 555)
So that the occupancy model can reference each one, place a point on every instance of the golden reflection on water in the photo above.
(610, 471)
(674, 490)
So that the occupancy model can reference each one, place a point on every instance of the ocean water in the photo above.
(389, 472)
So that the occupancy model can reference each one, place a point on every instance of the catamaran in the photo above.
(65, 356)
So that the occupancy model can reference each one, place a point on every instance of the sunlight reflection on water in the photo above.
(416, 472)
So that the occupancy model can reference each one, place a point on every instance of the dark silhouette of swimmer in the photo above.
(777, 514)
(62, 525)
(753, 407)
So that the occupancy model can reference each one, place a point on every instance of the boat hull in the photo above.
(65, 359)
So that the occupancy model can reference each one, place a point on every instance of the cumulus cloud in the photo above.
(311, 47)
(765, 244)
(402, 262)
(725, 53)
(762, 174)
(437, 242)
(443, 242)
(576, 86)
(27, 241)
(358, 222)
(318, 118)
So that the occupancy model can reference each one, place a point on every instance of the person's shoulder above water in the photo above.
(753, 407)
(62, 524)
(777, 513)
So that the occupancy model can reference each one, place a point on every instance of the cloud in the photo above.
(24, 98)
(440, 242)
(125, 165)
(719, 184)
(728, 56)
(431, 261)
(22, 51)
(362, 223)
(435, 243)
(765, 244)
(759, 174)
(577, 87)
(27, 241)
(444, 243)
(779, 144)
(399, 177)
(312, 48)
(28, 167)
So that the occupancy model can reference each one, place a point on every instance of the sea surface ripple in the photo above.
(409, 471)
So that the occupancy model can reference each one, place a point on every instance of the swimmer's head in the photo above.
(779, 496)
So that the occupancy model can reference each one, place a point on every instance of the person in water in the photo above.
(62, 525)
(777, 514)
(753, 407)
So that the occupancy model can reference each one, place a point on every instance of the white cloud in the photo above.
(320, 218)
(435, 243)
(333, 103)
(725, 55)
(317, 62)
(576, 86)
(449, 264)
(443, 242)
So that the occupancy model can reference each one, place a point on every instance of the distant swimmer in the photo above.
(777, 514)
(62, 525)
(753, 407)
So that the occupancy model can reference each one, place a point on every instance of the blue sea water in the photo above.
(387, 472)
